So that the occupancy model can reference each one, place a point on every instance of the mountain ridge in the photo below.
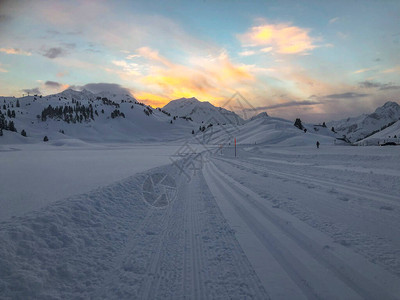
(359, 127)
(202, 112)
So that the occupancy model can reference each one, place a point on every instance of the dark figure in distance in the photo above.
(317, 144)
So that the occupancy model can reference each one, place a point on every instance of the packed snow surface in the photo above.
(275, 222)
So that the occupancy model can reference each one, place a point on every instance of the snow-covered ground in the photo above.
(275, 222)
(34, 175)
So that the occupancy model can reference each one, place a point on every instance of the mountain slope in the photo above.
(388, 134)
(102, 117)
(359, 127)
(265, 130)
(202, 112)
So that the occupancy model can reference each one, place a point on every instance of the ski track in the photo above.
(326, 186)
(349, 188)
(109, 244)
(324, 263)
(355, 222)
(378, 199)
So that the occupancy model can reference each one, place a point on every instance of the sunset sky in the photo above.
(318, 60)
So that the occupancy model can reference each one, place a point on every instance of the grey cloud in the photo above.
(52, 31)
(93, 50)
(390, 87)
(32, 91)
(56, 32)
(288, 104)
(348, 95)
(4, 18)
(76, 32)
(69, 45)
(369, 84)
(53, 52)
(378, 85)
(104, 87)
(52, 84)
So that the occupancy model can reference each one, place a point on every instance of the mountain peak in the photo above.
(359, 127)
(183, 99)
(390, 104)
(200, 111)
(259, 116)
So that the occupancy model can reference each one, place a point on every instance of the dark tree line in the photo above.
(116, 113)
(106, 101)
(148, 111)
(74, 114)
(6, 125)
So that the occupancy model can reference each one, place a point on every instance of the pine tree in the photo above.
(18, 103)
(23, 132)
(298, 124)
(45, 139)
(11, 126)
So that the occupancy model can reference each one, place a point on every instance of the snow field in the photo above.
(110, 244)
(36, 175)
(274, 222)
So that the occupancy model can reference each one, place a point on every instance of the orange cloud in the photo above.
(247, 53)
(153, 55)
(15, 51)
(205, 78)
(62, 74)
(392, 70)
(152, 99)
(362, 71)
(282, 38)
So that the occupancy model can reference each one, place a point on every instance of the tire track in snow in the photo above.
(193, 267)
(365, 218)
(390, 221)
(337, 269)
(214, 263)
(157, 274)
(108, 244)
(242, 265)
(348, 188)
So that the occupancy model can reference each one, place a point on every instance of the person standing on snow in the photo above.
(317, 144)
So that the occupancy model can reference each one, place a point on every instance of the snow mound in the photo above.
(267, 130)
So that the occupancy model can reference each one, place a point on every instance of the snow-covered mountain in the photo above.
(264, 130)
(202, 112)
(107, 117)
(259, 116)
(389, 134)
(357, 128)
(102, 117)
